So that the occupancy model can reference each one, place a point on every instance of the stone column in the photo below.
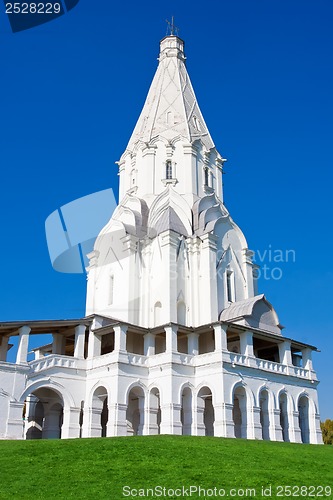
(71, 423)
(193, 343)
(307, 358)
(149, 344)
(246, 343)
(120, 332)
(285, 353)
(4, 348)
(220, 334)
(58, 344)
(22, 350)
(94, 344)
(171, 338)
(80, 334)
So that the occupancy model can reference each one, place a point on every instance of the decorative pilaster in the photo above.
(15, 423)
(275, 426)
(147, 184)
(117, 425)
(254, 428)
(170, 419)
(71, 423)
(219, 420)
(229, 421)
(169, 276)
(295, 434)
(208, 286)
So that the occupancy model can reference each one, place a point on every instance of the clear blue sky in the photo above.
(262, 70)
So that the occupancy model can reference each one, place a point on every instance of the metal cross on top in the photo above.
(172, 29)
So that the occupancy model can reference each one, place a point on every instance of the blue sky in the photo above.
(262, 70)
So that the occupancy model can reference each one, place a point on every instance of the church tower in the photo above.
(176, 339)
(171, 252)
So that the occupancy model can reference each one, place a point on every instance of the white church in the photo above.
(176, 338)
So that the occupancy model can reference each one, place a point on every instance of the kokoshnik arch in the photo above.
(176, 339)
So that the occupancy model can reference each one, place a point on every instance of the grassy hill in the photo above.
(101, 468)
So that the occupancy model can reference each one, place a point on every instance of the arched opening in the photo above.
(181, 313)
(135, 412)
(157, 313)
(99, 413)
(186, 412)
(43, 414)
(239, 413)
(303, 418)
(154, 412)
(264, 413)
(205, 409)
(283, 406)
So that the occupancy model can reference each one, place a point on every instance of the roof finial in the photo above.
(172, 29)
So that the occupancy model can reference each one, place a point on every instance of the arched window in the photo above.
(168, 173)
(206, 177)
(230, 287)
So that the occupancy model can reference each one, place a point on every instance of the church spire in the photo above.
(171, 108)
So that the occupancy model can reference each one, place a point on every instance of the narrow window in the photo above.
(168, 170)
(230, 294)
(206, 177)
(111, 286)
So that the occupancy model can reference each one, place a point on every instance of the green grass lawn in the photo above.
(100, 468)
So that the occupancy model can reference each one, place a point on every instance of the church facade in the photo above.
(176, 338)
